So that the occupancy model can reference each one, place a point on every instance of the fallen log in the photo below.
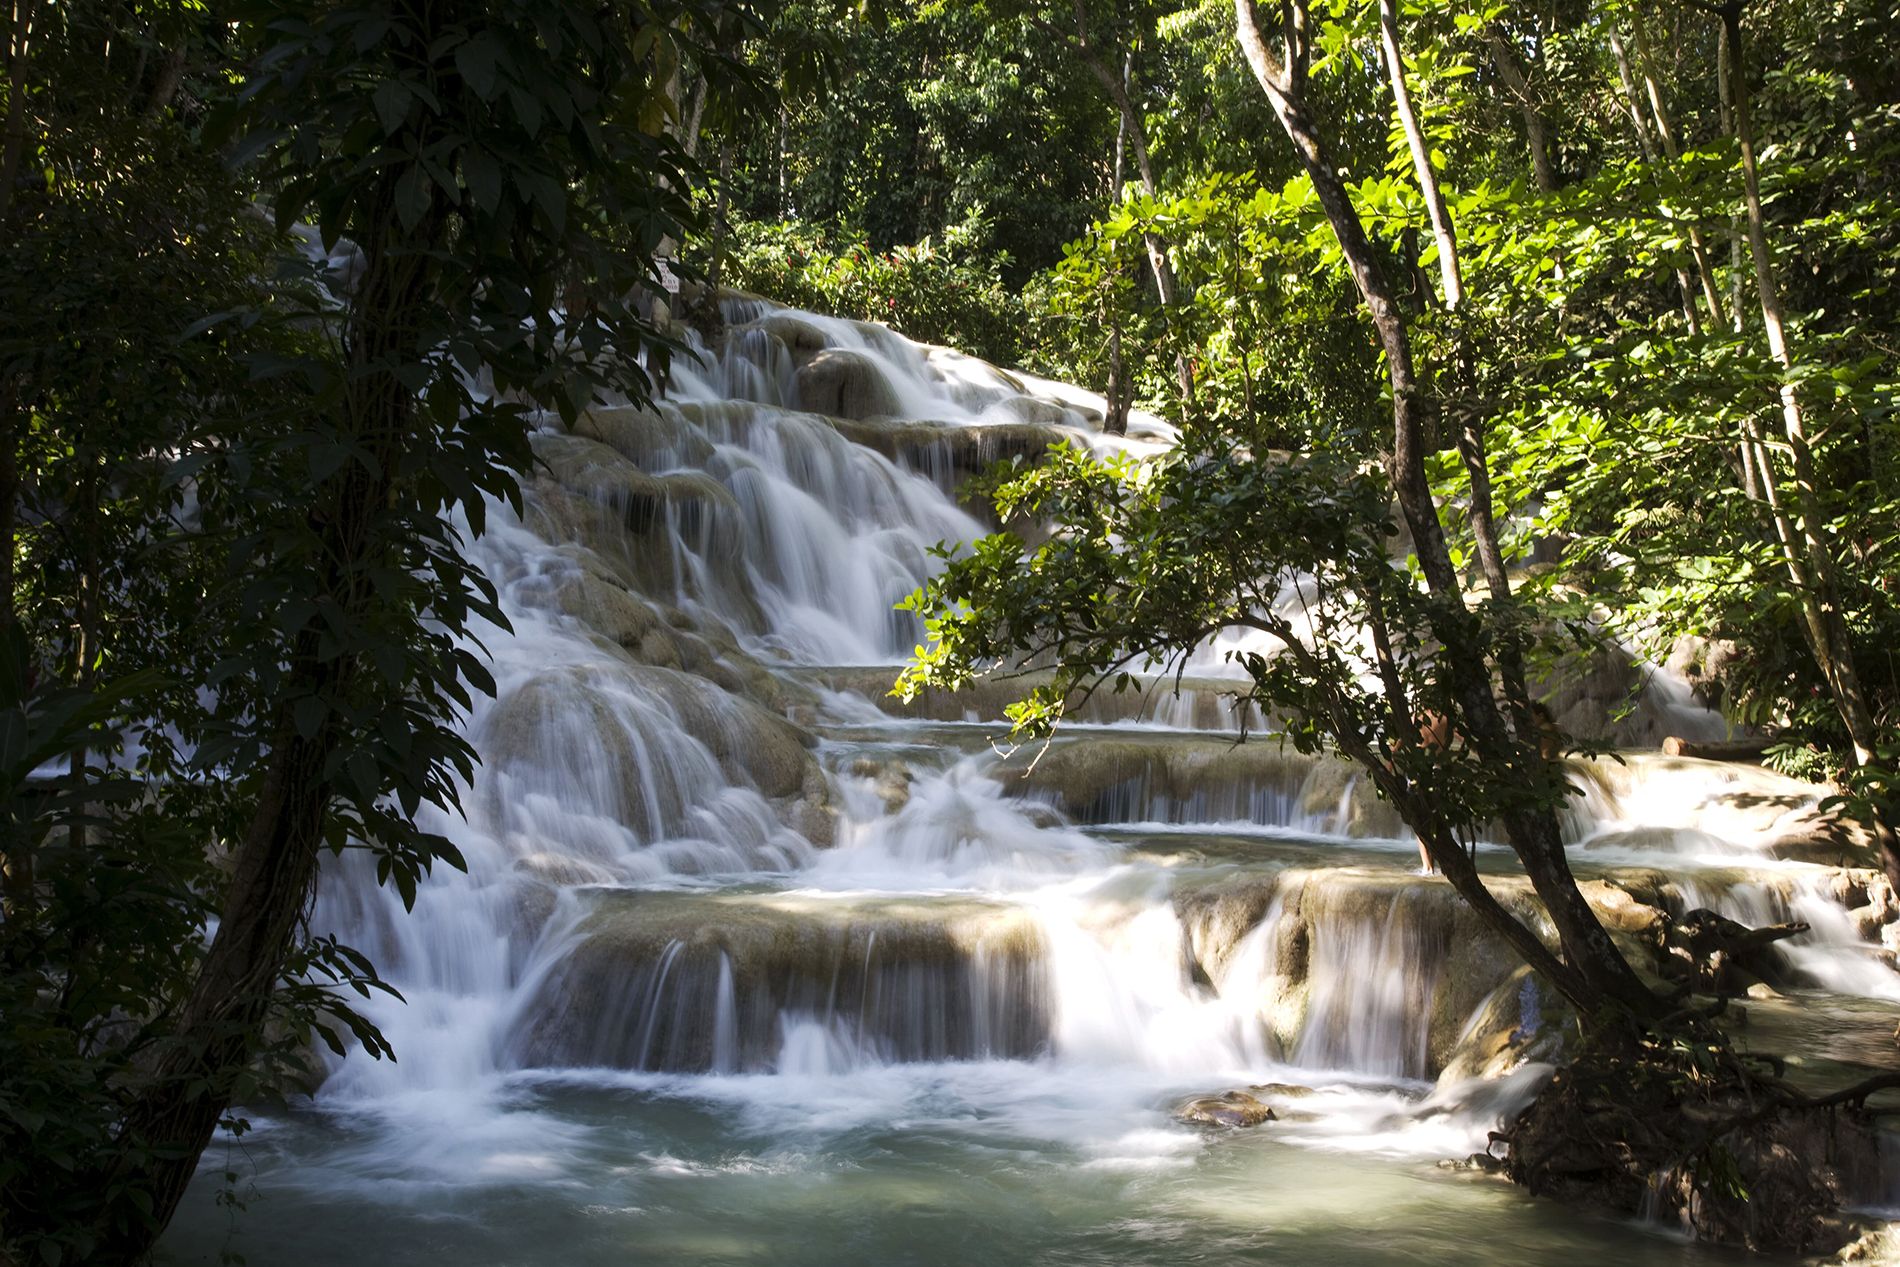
(1716, 749)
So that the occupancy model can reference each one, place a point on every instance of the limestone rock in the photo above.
(890, 781)
(1231, 1109)
(653, 439)
(692, 981)
(845, 384)
(801, 338)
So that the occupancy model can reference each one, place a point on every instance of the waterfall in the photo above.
(719, 882)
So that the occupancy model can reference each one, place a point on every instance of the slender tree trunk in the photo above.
(1633, 106)
(1117, 395)
(1135, 133)
(784, 182)
(17, 894)
(1723, 57)
(1834, 647)
(1471, 437)
(695, 116)
(1449, 273)
(20, 32)
(1666, 131)
(1597, 970)
(10, 437)
(171, 74)
(1536, 129)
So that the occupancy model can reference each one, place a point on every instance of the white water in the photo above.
(652, 974)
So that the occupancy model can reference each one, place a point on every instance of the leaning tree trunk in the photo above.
(275, 866)
(1598, 969)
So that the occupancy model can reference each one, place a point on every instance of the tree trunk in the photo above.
(1597, 970)
(13, 131)
(275, 865)
(171, 74)
(1633, 106)
(1450, 275)
(1833, 648)
(1133, 130)
(695, 116)
(1666, 130)
(1536, 129)
(1117, 395)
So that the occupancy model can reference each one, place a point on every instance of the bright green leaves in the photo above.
(1270, 324)
(934, 291)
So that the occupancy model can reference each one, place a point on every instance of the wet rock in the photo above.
(534, 903)
(1188, 778)
(1476, 1163)
(1391, 972)
(845, 384)
(1229, 1109)
(602, 474)
(802, 338)
(1282, 1090)
(1824, 841)
(1029, 409)
(890, 781)
(605, 728)
(1201, 704)
(562, 871)
(1704, 664)
(651, 439)
(684, 981)
(1519, 1023)
(1743, 805)
(1607, 696)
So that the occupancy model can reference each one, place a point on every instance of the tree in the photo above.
(1502, 732)
(1364, 654)
(490, 182)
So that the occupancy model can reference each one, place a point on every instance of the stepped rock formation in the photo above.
(712, 863)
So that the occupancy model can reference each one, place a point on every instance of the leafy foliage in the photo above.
(934, 293)
(242, 462)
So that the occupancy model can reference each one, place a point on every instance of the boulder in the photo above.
(1191, 778)
(652, 439)
(802, 338)
(844, 384)
(1231, 1109)
(692, 981)
(641, 746)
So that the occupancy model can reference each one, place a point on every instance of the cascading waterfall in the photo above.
(728, 913)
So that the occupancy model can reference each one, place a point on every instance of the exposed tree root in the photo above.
(1683, 1127)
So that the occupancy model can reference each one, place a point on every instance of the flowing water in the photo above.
(748, 968)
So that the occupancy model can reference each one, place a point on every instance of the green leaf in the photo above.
(477, 61)
(412, 196)
(391, 100)
(482, 173)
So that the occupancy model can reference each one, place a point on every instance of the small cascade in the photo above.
(1180, 780)
(1836, 954)
(683, 982)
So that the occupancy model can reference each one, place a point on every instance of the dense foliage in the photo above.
(240, 458)
(934, 292)
(1611, 335)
